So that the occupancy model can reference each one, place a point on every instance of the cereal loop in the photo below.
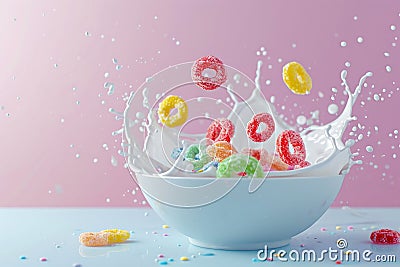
(220, 130)
(252, 127)
(220, 150)
(165, 108)
(208, 62)
(91, 239)
(290, 137)
(239, 165)
(196, 154)
(296, 78)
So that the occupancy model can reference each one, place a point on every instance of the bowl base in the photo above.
(242, 246)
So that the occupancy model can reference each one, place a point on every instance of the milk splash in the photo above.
(150, 144)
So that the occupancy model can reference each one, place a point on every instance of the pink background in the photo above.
(45, 52)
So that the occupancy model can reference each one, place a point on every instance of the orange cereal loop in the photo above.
(167, 105)
(296, 78)
(116, 235)
(220, 150)
(91, 239)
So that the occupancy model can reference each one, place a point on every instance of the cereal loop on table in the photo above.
(290, 137)
(165, 108)
(196, 154)
(103, 238)
(220, 130)
(220, 150)
(385, 237)
(208, 62)
(240, 165)
(92, 239)
(260, 154)
(297, 78)
(252, 127)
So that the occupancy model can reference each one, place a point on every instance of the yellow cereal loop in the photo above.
(296, 78)
(165, 107)
(116, 235)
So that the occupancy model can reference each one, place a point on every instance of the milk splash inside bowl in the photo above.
(189, 200)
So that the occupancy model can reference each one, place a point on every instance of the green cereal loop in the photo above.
(237, 163)
(196, 154)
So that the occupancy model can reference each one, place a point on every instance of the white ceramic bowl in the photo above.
(280, 209)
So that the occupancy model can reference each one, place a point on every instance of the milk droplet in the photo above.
(360, 39)
(301, 120)
(343, 44)
(386, 54)
(334, 90)
(392, 27)
(77, 156)
(177, 43)
(115, 61)
(355, 18)
(388, 68)
(114, 161)
(108, 200)
(376, 97)
(369, 149)
(118, 67)
(347, 64)
(333, 109)
(294, 45)
(95, 160)
(272, 99)
(268, 82)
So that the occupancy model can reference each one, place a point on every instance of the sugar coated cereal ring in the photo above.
(239, 165)
(282, 145)
(117, 235)
(208, 62)
(165, 107)
(92, 239)
(260, 154)
(220, 130)
(196, 154)
(220, 150)
(252, 127)
(385, 237)
(296, 78)
(104, 238)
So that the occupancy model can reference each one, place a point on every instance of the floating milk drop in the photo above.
(114, 60)
(77, 156)
(333, 109)
(118, 67)
(264, 53)
(301, 120)
(268, 82)
(355, 18)
(347, 64)
(95, 160)
(386, 54)
(111, 89)
(360, 39)
(343, 44)
(177, 43)
(139, 115)
(376, 97)
(392, 27)
(334, 90)
(294, 45)
(114, 161)
(369, 149)
(388, 68)
(108, 200)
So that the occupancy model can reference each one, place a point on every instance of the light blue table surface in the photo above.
(53, 233)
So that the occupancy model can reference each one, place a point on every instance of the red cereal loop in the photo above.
(385, 236)
(208, 62)
(282, 145)
(252, 127)
(220, 130)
